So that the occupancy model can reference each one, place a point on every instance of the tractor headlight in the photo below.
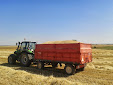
(32, 50)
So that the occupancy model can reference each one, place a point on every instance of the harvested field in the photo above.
(99, 72)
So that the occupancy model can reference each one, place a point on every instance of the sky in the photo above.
(87, 21)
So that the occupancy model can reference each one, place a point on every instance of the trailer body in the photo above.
(78, 53)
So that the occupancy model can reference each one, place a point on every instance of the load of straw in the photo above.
(61, 42)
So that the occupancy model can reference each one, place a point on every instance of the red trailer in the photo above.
(74, 56)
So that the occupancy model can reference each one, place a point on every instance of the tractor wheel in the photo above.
(54, 65)
(40, 65)
(69, 69)
(24, 60)
(12, 59)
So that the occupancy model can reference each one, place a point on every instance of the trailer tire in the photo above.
(40, 65)
(69, 69)
(24, 60)
(82, 69)
(12, 59)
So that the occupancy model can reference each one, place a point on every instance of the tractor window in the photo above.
(23, 46)
(27, 45)
(32, 45)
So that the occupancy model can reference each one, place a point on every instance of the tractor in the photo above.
(23, 54)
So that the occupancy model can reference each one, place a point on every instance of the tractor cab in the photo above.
(26, 46)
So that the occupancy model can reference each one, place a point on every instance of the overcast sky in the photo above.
(88, 21)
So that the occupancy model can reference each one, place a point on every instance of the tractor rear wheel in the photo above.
(12, 59)
(24, 60)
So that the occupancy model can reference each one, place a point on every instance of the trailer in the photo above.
(74, 56)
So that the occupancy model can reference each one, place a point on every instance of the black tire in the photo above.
(24, 60)
(69, 69)
(40, 65)
(82, 69)
(54, 65)
(12, 59)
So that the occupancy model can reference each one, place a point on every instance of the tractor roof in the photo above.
(27, 42)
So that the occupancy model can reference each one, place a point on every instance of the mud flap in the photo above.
(80, 66)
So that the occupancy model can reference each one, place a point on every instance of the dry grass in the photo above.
(99, 72)
(11, 76)
(6, 50)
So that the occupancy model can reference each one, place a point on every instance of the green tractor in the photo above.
(23, 54)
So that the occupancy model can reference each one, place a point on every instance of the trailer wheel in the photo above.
(54, 65)
(82, 69)
(40, 65)
(12, 59)
(24, 60)
(69, 69)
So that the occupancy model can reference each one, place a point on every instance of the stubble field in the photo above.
(99, 72)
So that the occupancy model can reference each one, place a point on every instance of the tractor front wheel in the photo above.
(12, 59)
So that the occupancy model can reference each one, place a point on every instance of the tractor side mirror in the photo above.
(19, 43)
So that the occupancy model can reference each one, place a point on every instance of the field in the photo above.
(99, 72)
